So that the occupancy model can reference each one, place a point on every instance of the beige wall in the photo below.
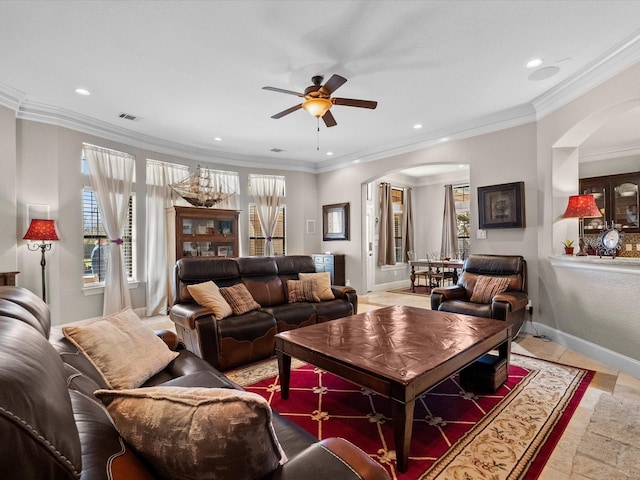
(8, 232)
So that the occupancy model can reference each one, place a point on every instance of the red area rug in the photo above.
(456, 434)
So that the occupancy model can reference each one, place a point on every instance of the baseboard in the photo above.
(392, 285)
(588, 349)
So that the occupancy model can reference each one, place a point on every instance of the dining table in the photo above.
(455, 265)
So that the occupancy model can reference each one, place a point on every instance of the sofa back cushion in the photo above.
(513, 267)
(188, 271)
(38, 433)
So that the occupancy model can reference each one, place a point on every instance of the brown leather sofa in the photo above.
(53, 427)
(242, 339)
(509, 305)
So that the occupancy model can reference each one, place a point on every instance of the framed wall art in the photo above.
(501, 206)
(335, 222)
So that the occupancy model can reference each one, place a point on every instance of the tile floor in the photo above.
(607, 380)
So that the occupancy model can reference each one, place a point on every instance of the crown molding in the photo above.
(11, 97)
(38, 112)
(606, 153)
(612, 62)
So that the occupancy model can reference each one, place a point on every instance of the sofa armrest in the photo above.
(170, 338)
(347, 293)
(516, 300)
(186, 314)
(333, 458)
(442, 294)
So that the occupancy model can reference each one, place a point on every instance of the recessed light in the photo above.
(217, 139)
(356, 161)
(329, 153)
(444, 139)
(417, 126)
(533, 63)
(82, 91)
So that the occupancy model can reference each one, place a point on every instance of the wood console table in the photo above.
(8, 278)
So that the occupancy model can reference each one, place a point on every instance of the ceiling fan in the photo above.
(318, 99)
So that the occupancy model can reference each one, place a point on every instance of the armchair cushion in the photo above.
(487, 287)
(208, 295)
(239, 298)
(204, 433)
(124, 350)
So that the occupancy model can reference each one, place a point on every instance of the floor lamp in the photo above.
(43, 232)
(581, 207)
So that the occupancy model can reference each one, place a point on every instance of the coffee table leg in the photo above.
(284, 369)
(402, 427)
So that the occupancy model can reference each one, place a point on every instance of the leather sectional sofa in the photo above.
(242, 339)
(53, 427)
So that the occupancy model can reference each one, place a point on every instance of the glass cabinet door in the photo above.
(625, 204)
(599, 192)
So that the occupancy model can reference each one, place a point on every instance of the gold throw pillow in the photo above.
(324, 284)
(208, 295)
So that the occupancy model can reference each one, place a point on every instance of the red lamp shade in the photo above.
(43, 230)
(581, 206)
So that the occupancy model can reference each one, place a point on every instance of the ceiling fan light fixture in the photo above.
(317, 106)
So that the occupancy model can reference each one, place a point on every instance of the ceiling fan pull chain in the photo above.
(318, 134)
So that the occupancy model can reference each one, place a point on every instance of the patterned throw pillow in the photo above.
(204, 433)
(208, 295)
(124, 350)
(487, 287)
(303, 290)
(239, 298)
(324, 284)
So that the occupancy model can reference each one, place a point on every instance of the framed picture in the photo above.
(335, 222)
(501, 206)
(223, 251)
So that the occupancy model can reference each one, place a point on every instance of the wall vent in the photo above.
(276, 150)
(128, 116)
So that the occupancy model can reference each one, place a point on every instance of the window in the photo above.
(461, 195)
(256, 235)
(397, 198)
(95, 240)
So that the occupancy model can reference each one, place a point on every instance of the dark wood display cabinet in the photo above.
(617, 198)
(201, 232)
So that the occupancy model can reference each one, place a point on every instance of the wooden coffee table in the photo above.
(399, 352)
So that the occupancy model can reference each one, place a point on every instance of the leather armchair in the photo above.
(509, 305)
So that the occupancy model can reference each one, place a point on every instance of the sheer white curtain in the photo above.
(111, 175)
(449, 244)
(224, 181)
(268, 192)
(159, 197)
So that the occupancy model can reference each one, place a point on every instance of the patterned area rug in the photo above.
(456, 434)
(421, 290)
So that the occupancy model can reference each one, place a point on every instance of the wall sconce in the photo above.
(581, 207)
(44, 232)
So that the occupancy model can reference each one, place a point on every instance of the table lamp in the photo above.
(43, 232)
(581, 207)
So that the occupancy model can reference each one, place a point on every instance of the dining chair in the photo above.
(413, 256)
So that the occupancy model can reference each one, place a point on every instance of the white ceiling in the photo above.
(193, 71)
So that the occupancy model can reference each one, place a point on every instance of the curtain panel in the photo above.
(111, 176)
(408, 225)
(159, 198)
(268, 193)
(387, 241)
(449, 244)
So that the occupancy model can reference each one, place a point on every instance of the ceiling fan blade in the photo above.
(334, 83)
(287, 111)
(350, 102)
(329, 121)
(282, 90)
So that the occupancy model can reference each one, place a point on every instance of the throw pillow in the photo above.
(324, 284)
(124, 350)
(487, 287)
(208, 295)
(204, 433)
(239, 298)
(303, 290)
